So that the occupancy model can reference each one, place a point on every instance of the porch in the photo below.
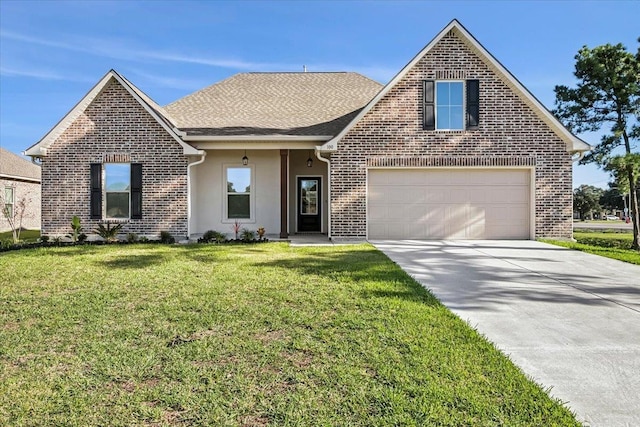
(285, 191)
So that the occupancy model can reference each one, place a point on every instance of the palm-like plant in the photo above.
(109, 233)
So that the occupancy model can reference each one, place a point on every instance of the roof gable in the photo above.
(40, 148)
(573, 143)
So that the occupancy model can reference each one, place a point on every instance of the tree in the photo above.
(607, 93)
(14, 215)
(619, 166)
(611, 198)
(586, 199)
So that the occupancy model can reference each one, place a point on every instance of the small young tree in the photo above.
(14, 214)
(607, 93)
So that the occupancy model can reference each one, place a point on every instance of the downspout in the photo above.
(322, 159)
(189, 166)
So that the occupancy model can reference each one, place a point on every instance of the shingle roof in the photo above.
(15, 166)
(274, 104)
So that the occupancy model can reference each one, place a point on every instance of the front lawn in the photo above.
(243, 336)
(25, 236)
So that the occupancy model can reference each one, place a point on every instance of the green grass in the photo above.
(607, 244)
(25, 235)
(243, 336)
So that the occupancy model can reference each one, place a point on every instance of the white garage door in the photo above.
(448, 204)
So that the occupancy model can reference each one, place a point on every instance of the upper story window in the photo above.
(117, 190)
(239, 192)
(451, 104)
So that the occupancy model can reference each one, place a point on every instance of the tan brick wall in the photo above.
(30, 192)
(508, 128)
(115, 123)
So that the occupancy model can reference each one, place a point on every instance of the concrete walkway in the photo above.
(570, 320)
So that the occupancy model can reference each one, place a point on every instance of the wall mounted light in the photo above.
(309, 160)
(245, 159)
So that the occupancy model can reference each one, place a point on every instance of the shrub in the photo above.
(212, 236)
(44, 239)
(82, 237)
(619, 243)
(109, 233)
(247, 235)
(76, 228)
(261, 232)
(132, 237)
(166, 237)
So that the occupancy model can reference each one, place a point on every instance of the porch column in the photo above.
(284, 156)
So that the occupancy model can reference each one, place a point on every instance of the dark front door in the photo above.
(309, 196)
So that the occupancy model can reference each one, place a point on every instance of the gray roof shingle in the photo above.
(274, 104)
(13, 165)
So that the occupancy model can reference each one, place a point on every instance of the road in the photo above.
(609, 225)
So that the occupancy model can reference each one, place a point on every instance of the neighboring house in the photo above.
(453, 147)
(19, 181)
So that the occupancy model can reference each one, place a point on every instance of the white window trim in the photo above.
(464, 105)
(104, 193)
(252, 194)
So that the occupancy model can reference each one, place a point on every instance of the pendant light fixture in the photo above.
(245, 159)
(309, 160)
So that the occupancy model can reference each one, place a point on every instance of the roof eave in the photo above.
(19, 178)
(257, 138)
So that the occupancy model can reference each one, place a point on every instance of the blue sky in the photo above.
(51, 52)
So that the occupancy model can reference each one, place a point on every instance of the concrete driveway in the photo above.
(570, 320)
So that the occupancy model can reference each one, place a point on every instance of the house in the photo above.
(19, 183)
(453, 147)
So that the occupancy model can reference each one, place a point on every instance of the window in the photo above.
(451, 104)
(117, 189)
(119, 185)
(239, 197)
(9, 198)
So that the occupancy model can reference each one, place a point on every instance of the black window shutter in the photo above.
(136, 190)
(428, 105)
(96, 190)
(473, 104)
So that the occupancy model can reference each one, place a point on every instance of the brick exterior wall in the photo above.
(115, 124)
(30, 192)
(509, 130)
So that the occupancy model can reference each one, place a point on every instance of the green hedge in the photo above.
(605, 240)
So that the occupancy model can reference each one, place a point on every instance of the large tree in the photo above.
(612, 198)
(606, 98)
(586, 200)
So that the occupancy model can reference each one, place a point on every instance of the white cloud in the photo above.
(38, 74)
(123, 50)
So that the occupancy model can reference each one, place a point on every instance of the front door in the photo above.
(309, 196)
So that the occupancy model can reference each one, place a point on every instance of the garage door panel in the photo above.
(435, 194)
(457, 194)
(449, 204)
